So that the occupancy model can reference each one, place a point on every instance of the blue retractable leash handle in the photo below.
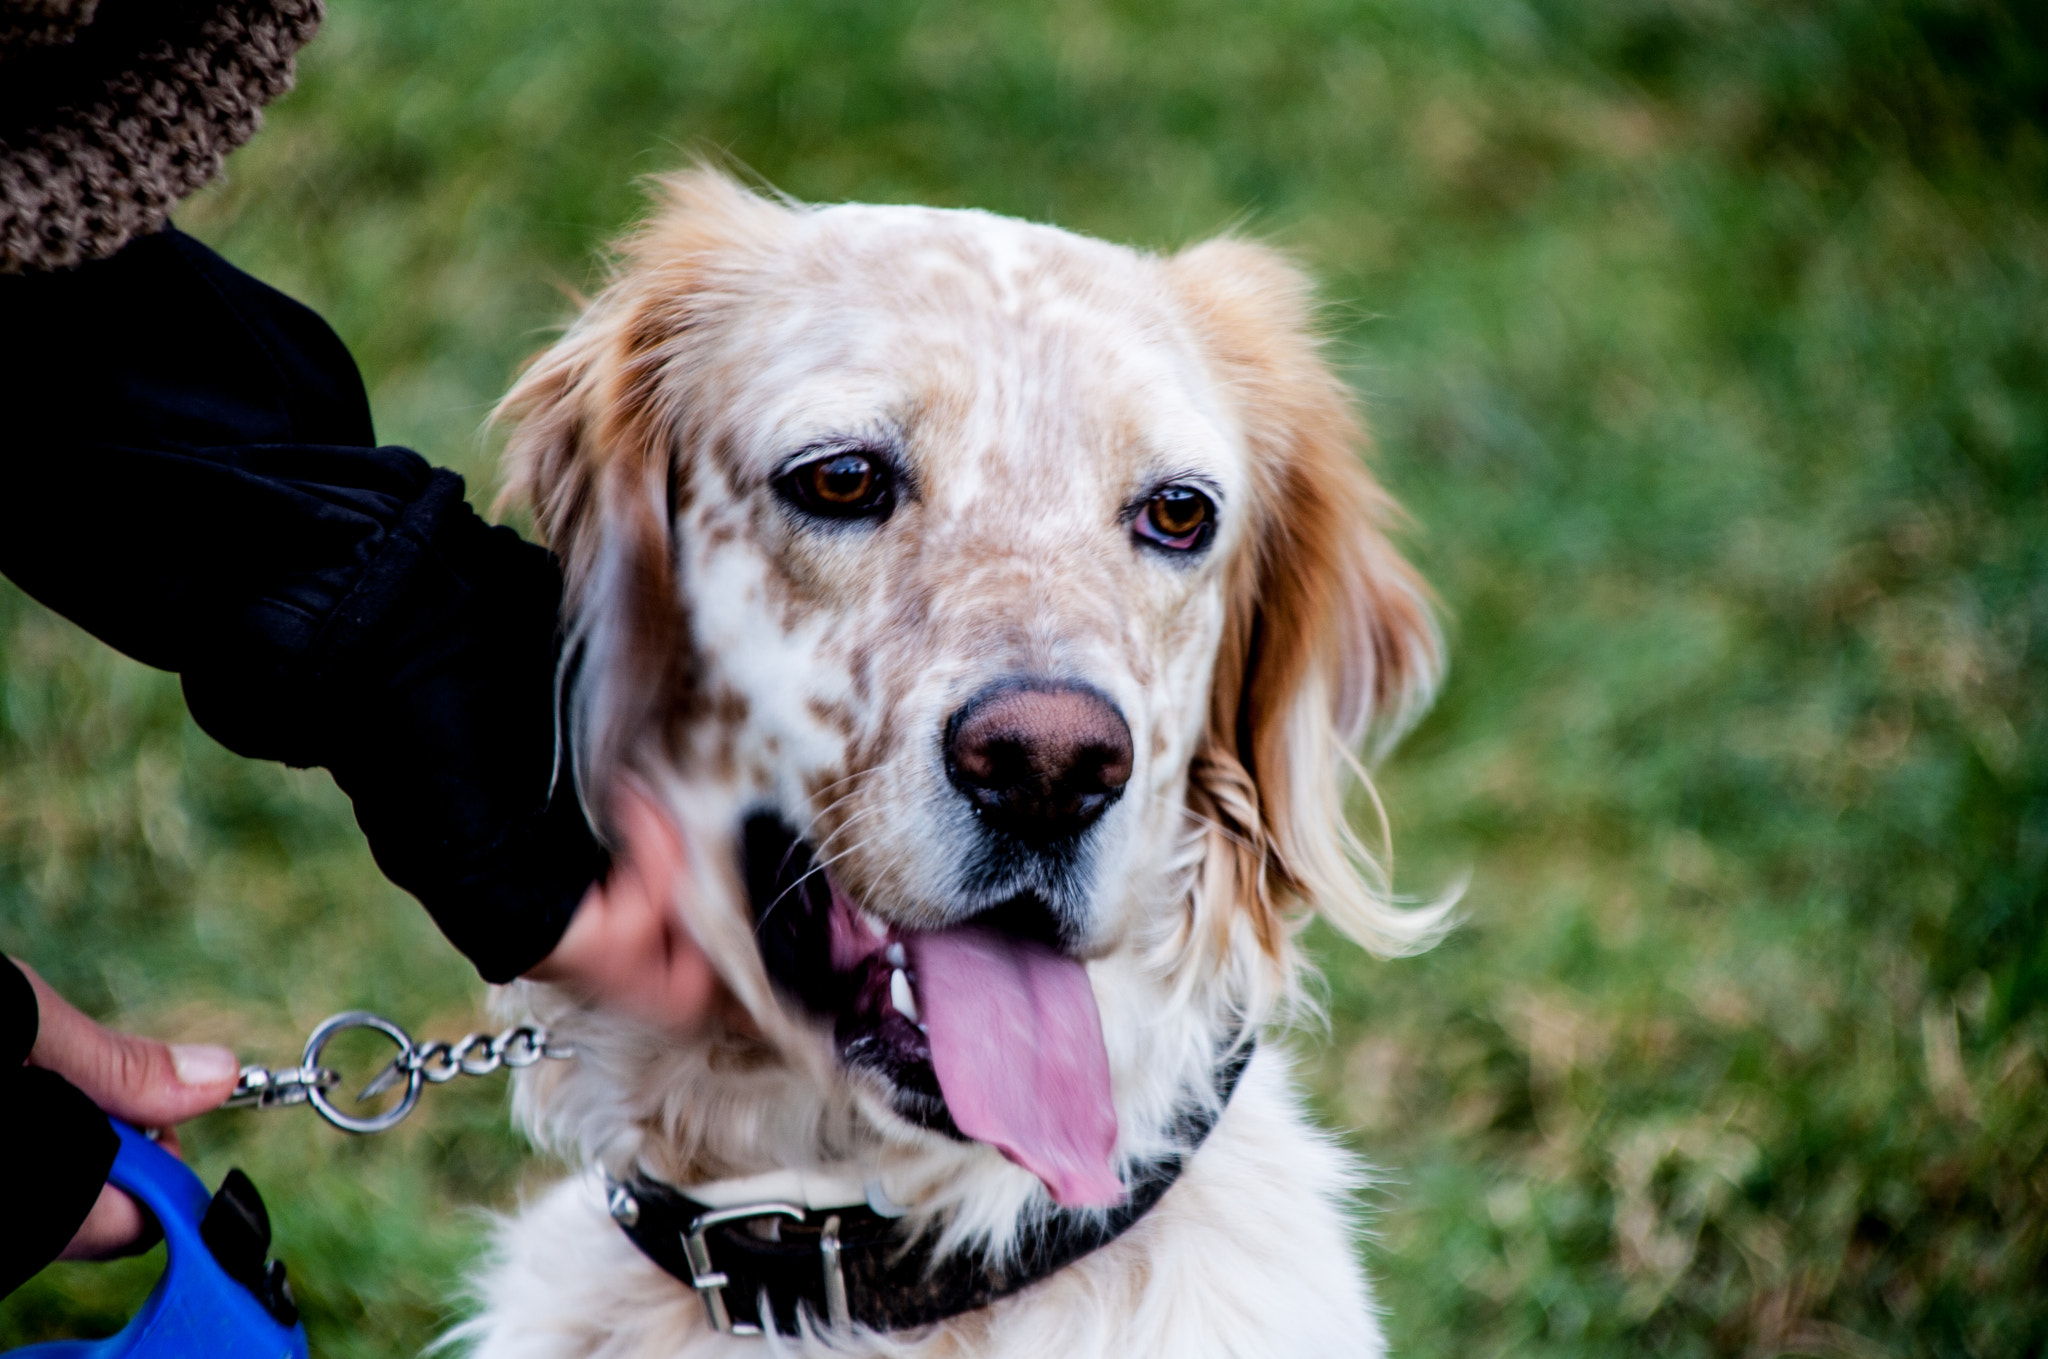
(216, 1299)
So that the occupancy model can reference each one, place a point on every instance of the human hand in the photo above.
(138, 1080)
(627, 947)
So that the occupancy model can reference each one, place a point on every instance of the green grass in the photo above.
(1707, 340)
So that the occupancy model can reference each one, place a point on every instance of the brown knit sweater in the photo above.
(113, 110)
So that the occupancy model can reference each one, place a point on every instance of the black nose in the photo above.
(1040, 760)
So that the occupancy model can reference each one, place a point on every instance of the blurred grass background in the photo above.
(1707, 340)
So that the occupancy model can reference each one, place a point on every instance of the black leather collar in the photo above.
(853, 1264)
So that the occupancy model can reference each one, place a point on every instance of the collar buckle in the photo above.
(711, 1283)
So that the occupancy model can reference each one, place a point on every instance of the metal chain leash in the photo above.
(417, 1064)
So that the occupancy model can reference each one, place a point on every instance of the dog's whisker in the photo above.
(853, 819)
(818, 864)
(837, 802)
(811, 823)
(815, 870)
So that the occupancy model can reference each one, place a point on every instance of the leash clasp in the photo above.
(417, 1065)
(258, 1087)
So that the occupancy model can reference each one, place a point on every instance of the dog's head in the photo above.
(995, 609)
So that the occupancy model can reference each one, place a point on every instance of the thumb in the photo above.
(141, 1080)
(653, 843)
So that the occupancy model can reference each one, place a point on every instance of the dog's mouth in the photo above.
(985, 1030)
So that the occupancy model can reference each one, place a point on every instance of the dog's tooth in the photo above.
(874, 924)
(901, 997)
(896, 956)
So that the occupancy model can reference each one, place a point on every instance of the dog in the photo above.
(995, 612)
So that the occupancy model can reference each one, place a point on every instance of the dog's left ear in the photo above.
(599, 448)
(591, 454)
(1328, 637)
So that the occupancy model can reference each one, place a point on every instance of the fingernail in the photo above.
(203, 1064)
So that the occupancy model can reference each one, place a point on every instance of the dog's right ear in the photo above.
(600, 451)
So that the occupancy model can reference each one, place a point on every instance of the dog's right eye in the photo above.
(839, 486)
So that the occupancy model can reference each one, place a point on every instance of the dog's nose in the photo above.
(1040, 760)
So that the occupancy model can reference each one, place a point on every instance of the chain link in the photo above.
(432, 1063)
(476, 1054)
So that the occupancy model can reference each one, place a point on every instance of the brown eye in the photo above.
(839, 486)
(1179, 518)
(845, 480)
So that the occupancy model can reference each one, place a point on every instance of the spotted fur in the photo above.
(1031, 386)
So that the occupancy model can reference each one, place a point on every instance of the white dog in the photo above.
(994, 610)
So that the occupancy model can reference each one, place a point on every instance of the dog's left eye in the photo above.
(839, 486)
(1179, 518)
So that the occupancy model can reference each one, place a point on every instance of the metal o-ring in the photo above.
(361, 1019)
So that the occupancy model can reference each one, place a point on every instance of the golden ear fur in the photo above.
(1328, 638)
(600, 422)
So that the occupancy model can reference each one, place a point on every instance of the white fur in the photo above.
(1034, 383)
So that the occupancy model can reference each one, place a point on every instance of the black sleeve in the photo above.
(191, 476)
(56, 1146)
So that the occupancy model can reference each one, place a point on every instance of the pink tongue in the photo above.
(1017, 1045)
